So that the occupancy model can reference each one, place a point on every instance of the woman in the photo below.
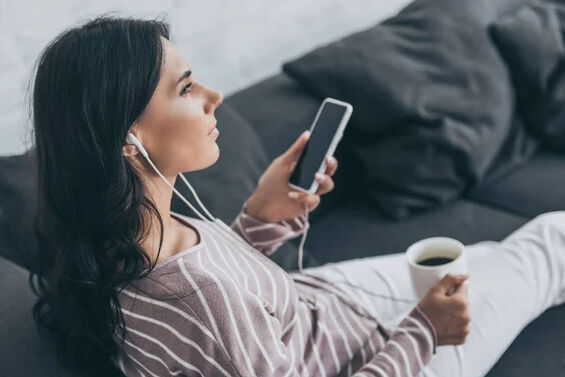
(127, 285)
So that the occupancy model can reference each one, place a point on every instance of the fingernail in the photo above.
(293, 194)
(307, 133)
(319, 176)
(333, 159)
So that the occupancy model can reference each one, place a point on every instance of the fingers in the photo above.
(450, 282)
(325, 183)
(461, 289)
(463, 325)
(331, 165)
(311, 200)
(459, 304)
(294, 151)
(455, 340)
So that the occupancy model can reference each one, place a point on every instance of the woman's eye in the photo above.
(185, 89)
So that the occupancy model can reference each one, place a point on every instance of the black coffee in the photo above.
(435, 261)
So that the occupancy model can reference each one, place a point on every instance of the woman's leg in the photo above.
(511, 283)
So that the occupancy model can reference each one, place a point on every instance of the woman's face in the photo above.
(175, 126)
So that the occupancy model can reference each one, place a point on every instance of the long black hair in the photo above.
(91, 83)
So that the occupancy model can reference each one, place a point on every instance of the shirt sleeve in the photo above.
(250, 337)
(265, 236)
(409, 348)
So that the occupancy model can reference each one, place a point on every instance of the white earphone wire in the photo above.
(226, 230)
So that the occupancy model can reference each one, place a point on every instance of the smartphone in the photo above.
(325, 133)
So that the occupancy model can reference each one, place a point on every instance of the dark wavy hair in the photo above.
(91, 83)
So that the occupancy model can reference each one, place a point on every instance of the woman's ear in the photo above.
(130, 150)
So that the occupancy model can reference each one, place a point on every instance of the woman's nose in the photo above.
(216, 98)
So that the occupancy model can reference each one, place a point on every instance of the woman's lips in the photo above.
(214, 130)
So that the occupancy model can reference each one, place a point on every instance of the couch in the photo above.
(258, 123)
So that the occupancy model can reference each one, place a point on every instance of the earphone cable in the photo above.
(226, 230)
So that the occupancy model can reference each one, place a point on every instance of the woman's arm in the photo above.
(409, 348)
(250, 337)
(265, 236)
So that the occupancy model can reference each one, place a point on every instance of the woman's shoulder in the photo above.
(174, 281)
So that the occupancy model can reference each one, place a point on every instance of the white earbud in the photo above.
(131, 139)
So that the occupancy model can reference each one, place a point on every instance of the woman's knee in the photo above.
(547, 227)
(554, 220)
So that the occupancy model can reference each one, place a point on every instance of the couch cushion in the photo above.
(22, 351)
(354, 230)
(18, 204)
(531, 42)
(537, 350)
(278, 109)
(535, 188)
(432, 101)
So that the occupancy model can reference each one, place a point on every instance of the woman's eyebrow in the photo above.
(185, 75)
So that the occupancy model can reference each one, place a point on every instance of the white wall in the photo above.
(229, 44)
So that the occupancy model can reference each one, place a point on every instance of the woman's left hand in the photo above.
(271, 202)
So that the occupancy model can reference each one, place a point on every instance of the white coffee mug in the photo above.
(425, 277)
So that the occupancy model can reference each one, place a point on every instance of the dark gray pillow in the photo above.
(531, 42)
(18, 205)
(432, 101)
(24, 352)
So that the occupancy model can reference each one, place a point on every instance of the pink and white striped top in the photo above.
(218, 309)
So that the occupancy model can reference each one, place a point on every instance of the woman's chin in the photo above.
(215, 155)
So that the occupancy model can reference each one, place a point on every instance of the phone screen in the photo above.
(317, 146)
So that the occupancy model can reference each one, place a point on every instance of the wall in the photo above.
(229, 44)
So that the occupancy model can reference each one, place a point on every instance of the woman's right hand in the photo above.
(448, 312)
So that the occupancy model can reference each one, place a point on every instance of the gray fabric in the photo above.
(353, 230)
(537, 350)
(536, 188)
(284, 111)
(432, 101)
(518, 149)
(23, 352)
(531, 42)
(18, 202)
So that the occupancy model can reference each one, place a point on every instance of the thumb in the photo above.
(449, 281)
(461, 289)
(296, 148)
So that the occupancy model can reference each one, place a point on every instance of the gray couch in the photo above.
(344, 226)
(257, 124)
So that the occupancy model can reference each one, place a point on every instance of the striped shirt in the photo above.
(220, 309)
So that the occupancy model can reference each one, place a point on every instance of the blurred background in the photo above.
(230, 44)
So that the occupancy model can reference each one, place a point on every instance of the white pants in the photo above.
(510, 284)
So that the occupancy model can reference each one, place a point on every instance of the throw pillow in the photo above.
(432, 101)
(531, 42)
